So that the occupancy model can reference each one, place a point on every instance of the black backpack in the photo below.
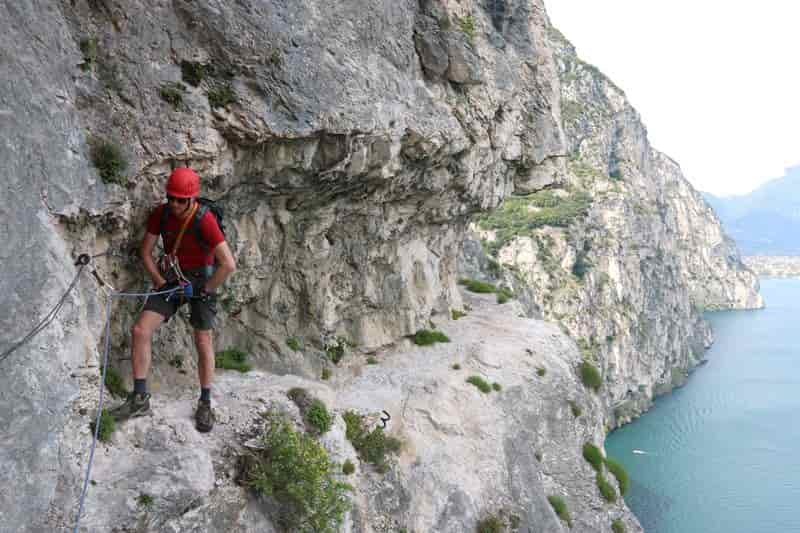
(205, 206)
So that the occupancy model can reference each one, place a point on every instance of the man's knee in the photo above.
(141, 332)
(202, 339)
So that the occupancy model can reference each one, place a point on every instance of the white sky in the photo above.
(717, 83)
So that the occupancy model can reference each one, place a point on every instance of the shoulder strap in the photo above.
(201, 212)
(183, 230)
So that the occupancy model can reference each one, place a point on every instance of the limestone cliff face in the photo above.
(350, 144)
(624, 253)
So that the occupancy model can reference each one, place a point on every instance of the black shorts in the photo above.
(203, 311)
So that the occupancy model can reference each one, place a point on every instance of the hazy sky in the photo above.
(717, 83)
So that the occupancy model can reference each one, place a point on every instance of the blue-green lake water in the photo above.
(722, 453)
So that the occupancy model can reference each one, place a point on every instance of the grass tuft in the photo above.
(114, 382)
(560, 507)
(221, 96)
(108, 424)
(490, 524)
(456, 314)
(232, 359)
(172, 93)
(426, 337)
(192, 73)
(109, 161)
(590, 376)
(593, 456)
(606, 489)
(481, 383)
(144, 500)
(620, 473)
(293, 343)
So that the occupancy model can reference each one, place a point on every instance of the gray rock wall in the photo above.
(45, 174)
(350, 143)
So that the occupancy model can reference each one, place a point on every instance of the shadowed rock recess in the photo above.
(352, 145)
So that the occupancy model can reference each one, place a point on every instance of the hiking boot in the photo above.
(137, 404)
(204, 417)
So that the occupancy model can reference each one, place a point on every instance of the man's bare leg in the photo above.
(204, 416)
(203, 341)
(142, 335)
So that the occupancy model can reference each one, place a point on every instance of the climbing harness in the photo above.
(169, 265)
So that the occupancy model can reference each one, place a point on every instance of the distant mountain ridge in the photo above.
(765, 221)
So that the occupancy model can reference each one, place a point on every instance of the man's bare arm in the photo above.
(225, 266)
(146, 251)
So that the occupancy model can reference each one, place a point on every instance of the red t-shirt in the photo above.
(191, 254)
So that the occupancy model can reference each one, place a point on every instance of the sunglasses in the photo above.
(181, 201)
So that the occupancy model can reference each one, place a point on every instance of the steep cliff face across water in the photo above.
(624, 253)
(350, 144)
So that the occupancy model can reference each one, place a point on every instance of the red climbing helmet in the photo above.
(183, 183)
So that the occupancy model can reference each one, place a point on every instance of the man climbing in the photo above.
(193, 243)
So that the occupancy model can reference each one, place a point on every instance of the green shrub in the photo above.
(456, 314)
(232, 359)
(326, 374)
(296, 471)
(467, 26)
(590, 376)
(371, 360)
(172, 93)
(490, 524)
(593, 456)
(541, 371)
(109, 161)
(581, 265)
(496, 386)
(474, 285)
(221, 95)
(426, 337)
(108, 424)
(335, 349)
(318, 417)
(619, 472)
(560, 507)
(192, 73)
(313, 410)
(615, 175)
(516, 218)
(617, 526)
(479, 382)
(576, 409)
(88, 46)
(293, 343)
(144, 500)
(372, 446)
(501, 298)
(114, 382)
(606, 489)
(348, 467)
(456, 366)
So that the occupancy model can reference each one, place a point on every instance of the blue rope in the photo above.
(107, 336)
